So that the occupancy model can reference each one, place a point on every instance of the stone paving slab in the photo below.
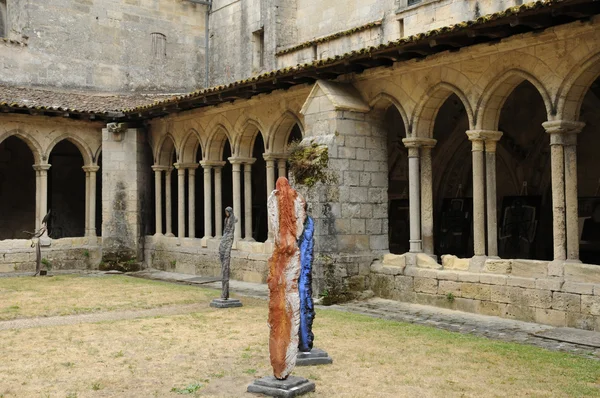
(570, 335)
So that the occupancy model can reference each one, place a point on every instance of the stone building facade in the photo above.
(461, 134)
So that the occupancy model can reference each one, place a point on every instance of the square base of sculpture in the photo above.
(316, 356)
(293, 386)
(222, 303)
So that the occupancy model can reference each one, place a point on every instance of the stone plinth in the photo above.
(316, 356)
(293, 386)
(225, 303)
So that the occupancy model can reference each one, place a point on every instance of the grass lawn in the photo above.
(218, 353)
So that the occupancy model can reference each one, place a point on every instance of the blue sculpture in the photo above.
(307, 309)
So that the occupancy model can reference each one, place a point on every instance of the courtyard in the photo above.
(113, 335)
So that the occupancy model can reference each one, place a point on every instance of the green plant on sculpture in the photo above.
(309, 163)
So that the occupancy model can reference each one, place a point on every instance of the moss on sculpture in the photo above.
(309, 163)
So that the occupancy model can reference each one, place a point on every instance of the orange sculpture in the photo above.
(287, 214)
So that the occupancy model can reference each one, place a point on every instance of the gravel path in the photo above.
(27, 323)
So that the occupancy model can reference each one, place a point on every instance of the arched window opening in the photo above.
(398, 206)
(452, 181)
(588, 177)
(524, 192)
(17, 189)
(66, 192)
(227, 184)
(3, 19)
(259, 187)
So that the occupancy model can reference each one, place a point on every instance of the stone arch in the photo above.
(574, 88)
(383, 101)
(164, 152)
(189, 146)
(31, 142)
(280, 133)
(84, 148)
(424, 116)
(497, 92)
(246, 133)
(216, 143)
(96, 154)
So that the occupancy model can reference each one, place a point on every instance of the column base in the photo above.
(316, 356)
(477, 263)
(249, 240)
(556, 268)
(293, 386)
(170, 235)
(225, 303)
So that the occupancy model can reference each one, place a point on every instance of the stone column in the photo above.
(563, 146)
(491, 140)
(38, 219)
(270, 160)
(168, 204)
(158, 170)
(180, 200)
(91, 192)
(42, 197)
(282, 172)
(192, 199)
(414, 194)
(248, 200)
(427, 196)
(237, 194)
(207, 199)
(219, 215)
(87, 202)
(477, 141)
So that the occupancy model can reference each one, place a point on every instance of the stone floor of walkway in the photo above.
(570, 340)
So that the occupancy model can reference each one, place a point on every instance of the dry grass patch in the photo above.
(217, 353)
(27, 297)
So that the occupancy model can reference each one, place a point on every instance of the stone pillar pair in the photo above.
(209, 167)
(237, 164)
(484, 144)
(158, 171)
(420, 194)
(90, 199)
(563, 147)
(274, 160)
(41, 193)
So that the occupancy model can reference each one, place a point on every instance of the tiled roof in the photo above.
(71, 101)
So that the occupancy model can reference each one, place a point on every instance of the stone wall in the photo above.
(188, 256)
(67, 253)
(515, 289)
(105, 45)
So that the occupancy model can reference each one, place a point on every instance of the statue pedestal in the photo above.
(316, 356)
(222, 303)
(293, 386)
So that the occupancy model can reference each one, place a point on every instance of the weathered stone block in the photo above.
(493, 279)
(434, 300)
(551, 317)
(424, 261)
(394, 260)
(382, 285)
(590, 305)
(585, 273)
(466, 305)
(500, 294)
(492, 309)
(520, 282)
(580, 321)
(476, 291)
(497, 266)
(536, 298)
(549, 284)
(520, 312)
(425, 285)
(455, 263)
(447, 275)
(568, 302)
(469, 277)
(529, 268)
(403, 283)
(579, 288)
(391, 270)
(446, 287)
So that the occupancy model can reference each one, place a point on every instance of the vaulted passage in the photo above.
(66, 192)
(452, 181)
(588, 177)
(524, 192)
(17, 189)
(398, 205)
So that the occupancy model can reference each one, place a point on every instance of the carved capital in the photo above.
(563, 132)
(418, 142)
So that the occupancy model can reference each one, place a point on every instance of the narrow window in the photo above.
(159, 46)
(413, 2)
(3, 19)
(401, 27)
(258, 60)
